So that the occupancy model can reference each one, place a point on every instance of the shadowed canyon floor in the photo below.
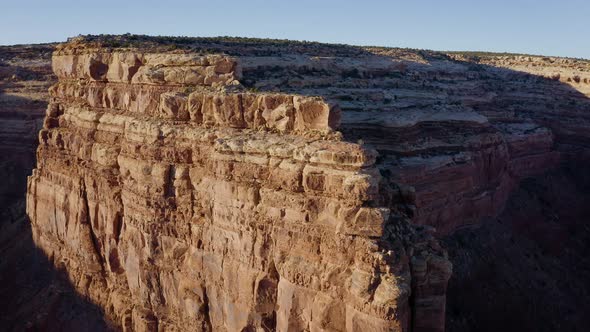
(169, 166)
(528, 266)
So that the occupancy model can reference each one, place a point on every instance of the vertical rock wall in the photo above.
(177, 201)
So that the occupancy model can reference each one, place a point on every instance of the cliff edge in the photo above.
(246, 184)
(177, 199)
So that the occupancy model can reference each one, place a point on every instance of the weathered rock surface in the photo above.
(181, 204)
(462, 131)
(218, 184)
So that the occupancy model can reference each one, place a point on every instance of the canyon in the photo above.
(258, 185)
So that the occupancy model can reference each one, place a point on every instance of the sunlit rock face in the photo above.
(177, 199)
(238, 184)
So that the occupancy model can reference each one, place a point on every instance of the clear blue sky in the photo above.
(558, 27)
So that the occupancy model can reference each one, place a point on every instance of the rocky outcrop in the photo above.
(175, 199)
(462, 131)
(254, 184)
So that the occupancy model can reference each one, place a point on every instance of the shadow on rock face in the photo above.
(35, 295)
(497, 158)
(528, 269)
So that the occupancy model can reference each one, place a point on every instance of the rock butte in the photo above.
(177, 202)
(250, 186)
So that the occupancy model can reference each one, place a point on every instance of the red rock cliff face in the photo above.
(461, 131)
(177, 200)
(240, 184)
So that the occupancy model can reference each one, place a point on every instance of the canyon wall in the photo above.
(243, 184)
(34, 295)
(175, 200)
(25, 76)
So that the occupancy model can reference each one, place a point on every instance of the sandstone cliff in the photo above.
(232, 184)
(177, 200)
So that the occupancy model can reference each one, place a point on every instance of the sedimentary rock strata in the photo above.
(220, 184)
(462, 131)
(175, 199)
(441, 116)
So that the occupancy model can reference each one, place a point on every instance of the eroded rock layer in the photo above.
(176, 199)
(228, 184)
